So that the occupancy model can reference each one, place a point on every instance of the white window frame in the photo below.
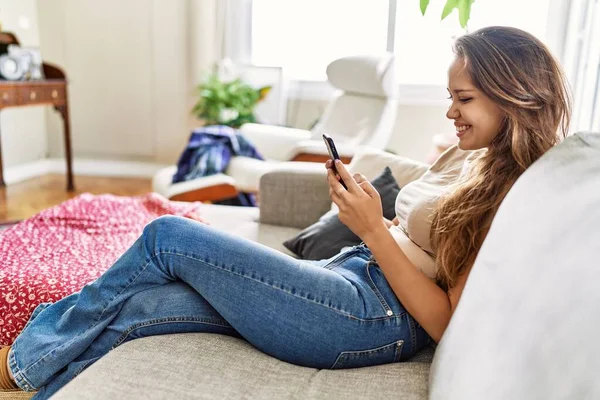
(240, 42)
(582, 63)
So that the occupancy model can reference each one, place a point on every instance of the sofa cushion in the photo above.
(243, 221)
(326, 237)
(210, 366)
(526, 326)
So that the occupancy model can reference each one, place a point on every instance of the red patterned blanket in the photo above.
(56, 252)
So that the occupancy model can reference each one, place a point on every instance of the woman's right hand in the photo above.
(359, 178)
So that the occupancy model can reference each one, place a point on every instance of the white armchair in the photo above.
(361, 114)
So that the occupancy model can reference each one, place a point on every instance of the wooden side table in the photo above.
(52, 90)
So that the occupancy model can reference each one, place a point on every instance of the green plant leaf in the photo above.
(464, 12)
(424, 4)
(450, 5)
(215, 95)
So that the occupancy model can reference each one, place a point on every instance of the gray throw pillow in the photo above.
(326, 237)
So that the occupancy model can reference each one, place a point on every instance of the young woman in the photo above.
(380, 302)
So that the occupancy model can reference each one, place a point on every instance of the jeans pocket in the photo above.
(389, 353)
(383, 291)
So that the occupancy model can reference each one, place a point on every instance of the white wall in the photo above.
(415, 128)
(202, 49)
(172, 80)
(127, 68)
(23, 129)
(132, 67)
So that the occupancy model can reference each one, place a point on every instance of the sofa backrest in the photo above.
(527, 324)
(370, 162)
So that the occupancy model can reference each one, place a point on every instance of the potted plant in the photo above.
(227, 102)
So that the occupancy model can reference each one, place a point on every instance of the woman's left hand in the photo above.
(359, 206)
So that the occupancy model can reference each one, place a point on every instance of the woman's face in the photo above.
(476, 117)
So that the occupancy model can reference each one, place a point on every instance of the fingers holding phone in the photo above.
(329, 164)
(359, 178)
(334, 156)
(358, 202)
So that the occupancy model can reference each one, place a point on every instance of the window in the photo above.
(582, 64)
(423, 44)
(304, 36)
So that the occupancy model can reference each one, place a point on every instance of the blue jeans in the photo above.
(184, 276)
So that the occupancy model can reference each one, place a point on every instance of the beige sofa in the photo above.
(526, 327)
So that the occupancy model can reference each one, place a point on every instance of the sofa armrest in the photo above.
(295, 194)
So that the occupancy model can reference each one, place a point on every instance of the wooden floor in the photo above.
(24, 199)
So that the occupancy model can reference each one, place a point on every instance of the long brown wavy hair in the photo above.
(518, 72)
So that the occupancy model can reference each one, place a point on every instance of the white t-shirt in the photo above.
(417, 201)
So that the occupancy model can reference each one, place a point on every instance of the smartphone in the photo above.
(333, 154)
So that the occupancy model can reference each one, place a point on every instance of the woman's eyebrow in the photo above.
(460, 90)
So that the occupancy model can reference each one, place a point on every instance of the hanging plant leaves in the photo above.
(424, 4)
(450, 5)
(464, 10)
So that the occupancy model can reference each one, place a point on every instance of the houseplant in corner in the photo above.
(227, 102)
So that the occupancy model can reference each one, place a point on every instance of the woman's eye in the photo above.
(465, 100)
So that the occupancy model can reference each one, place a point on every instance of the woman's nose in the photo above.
(452, 113)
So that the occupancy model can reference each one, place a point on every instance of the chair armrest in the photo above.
(295, 194)
(274, 142)
(217, 186)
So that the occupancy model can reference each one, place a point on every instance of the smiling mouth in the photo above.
(461, 130)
